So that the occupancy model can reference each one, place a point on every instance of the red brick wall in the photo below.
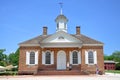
(109, 66)
(100, 59)
(25, 68)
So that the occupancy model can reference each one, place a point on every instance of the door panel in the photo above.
(61, 60)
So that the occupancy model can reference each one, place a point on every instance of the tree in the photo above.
(108, 57)
(3, 58)
(14, 57)
(1, 54)
(116, 56)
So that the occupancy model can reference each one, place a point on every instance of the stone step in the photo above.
(54, 72)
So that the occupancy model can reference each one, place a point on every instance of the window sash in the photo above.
(90, 58)
(48, 58)
(75, 57)
(32, 58)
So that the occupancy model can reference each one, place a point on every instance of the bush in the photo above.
(118, 66)
(14, 69)
(8, 73)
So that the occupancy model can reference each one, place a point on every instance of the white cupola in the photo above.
(61, 21)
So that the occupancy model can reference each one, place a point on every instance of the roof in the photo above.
(109, 61)
(85, 40)
(61, 17)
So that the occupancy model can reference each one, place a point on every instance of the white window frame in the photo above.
(28, 57)
(44, 57)
(94, 57)
(78, 55)
(91, 58)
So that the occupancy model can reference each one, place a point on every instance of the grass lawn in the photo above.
(113, 71)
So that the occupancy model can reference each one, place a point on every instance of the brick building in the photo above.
(61, 52)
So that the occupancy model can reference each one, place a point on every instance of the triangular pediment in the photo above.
(61, 37)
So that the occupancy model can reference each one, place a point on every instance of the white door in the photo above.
(61, 60)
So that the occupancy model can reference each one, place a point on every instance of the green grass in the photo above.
(113, 71)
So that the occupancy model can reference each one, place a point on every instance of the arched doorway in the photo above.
(61, 60)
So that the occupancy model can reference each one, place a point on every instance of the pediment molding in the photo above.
(61, 37)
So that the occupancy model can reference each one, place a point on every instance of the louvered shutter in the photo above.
(86, 57)
(95, 57)
(36, 57)
(79, 57)
(71, 60)
(43, 57)
(27, 58)
(52, 57)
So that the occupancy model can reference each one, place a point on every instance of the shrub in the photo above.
(118, 66)
(8, 73)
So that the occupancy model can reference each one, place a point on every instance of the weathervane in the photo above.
(61, 5)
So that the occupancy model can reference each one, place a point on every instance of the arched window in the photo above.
(75, 57)
(90, 57)
(48, 58)
(32, 58)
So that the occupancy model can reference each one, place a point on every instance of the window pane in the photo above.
(32, 58)
(75, 57)
(90, 57)
(48, 58)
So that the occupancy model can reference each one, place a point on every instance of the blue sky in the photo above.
(21, 20)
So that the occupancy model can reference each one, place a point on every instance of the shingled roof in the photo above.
(81, 37)
(87, 40)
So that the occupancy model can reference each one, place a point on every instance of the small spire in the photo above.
(61, 5)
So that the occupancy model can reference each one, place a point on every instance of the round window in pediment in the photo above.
(61, 37)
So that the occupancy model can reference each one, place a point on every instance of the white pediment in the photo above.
(61, 37)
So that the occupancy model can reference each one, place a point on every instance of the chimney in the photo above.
(77, 30)
(44, 30)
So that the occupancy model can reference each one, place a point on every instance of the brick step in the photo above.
(54, 72)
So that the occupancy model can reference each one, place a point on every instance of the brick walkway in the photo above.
(61, 77)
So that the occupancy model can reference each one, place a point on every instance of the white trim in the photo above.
(86, 57)
(49, 45)
(36, 57)
(61, 33)
(95, 57)
(52, 57)
(93, 44)
(29, 44)
(79, 57)
(43, 57)
(70, 54)
(27, 58)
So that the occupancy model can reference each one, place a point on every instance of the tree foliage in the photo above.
(116, 56)
(13, 58)
(3, 58)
